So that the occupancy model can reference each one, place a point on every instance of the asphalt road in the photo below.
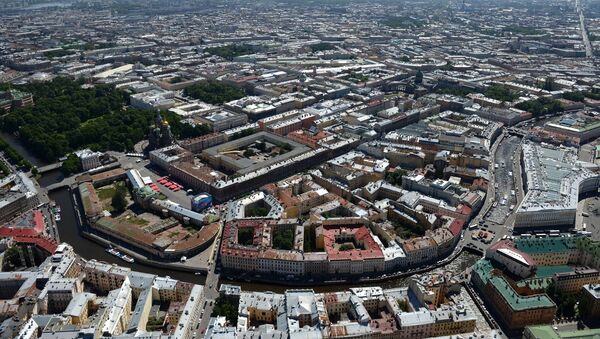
(584, 35)
(504, 180)
(499, 219)
(210, 293)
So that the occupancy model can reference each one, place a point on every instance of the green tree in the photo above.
(308, 239)
(257, 212)
(245, 235)
(395, 177)
(13, 156)
(226, 308)
(568, 306)
(67, 116)
(249, 153)
(71, 165)
(214, 92)
(541, 106)
(419, 77)
(11, 258)
(549, 84)
(403, 304)
(322, 46)
(283, 239)
(230, 51)
(501, 93)
(119, 202)
(574, 96)
(244, 133)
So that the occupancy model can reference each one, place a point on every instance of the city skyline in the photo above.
(299, 169)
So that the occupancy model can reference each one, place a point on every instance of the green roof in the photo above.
(535, 283)
(516, 301)
(547, 332)
(588, 245)
(545, 245)
(542, 332)
(549, 271)
(543, 277)
(483, 268)
(590, 126)
(558, 244)
(146, 192)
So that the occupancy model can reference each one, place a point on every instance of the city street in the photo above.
(588, 216)
(504, 181)
(299, 169)
(496, 217)
(210, 293)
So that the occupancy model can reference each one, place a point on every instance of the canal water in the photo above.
(69, 232)
(12, 141)
(51, 177)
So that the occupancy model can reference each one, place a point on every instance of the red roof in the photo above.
(361, 234)
(465, 210)
(30, 235)
(456, 227)
(48, 245)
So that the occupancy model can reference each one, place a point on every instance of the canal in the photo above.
(14, 143)
(69, 232)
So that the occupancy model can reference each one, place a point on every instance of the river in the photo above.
(14, 142)
(69, 232)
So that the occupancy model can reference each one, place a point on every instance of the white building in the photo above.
(554, 178)
(88, 159)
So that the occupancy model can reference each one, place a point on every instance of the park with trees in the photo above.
(69, 115)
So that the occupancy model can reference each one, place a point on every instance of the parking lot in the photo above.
(176, 193)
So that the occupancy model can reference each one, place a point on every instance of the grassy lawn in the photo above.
(283, 239)
(245, 236)
(134, 220)
(106, 192)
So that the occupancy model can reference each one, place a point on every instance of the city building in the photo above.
(589, 303)
(88, 159)
(222, 120)
(13, 99)
(554, 179)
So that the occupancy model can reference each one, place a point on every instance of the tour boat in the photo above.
(113, 252)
